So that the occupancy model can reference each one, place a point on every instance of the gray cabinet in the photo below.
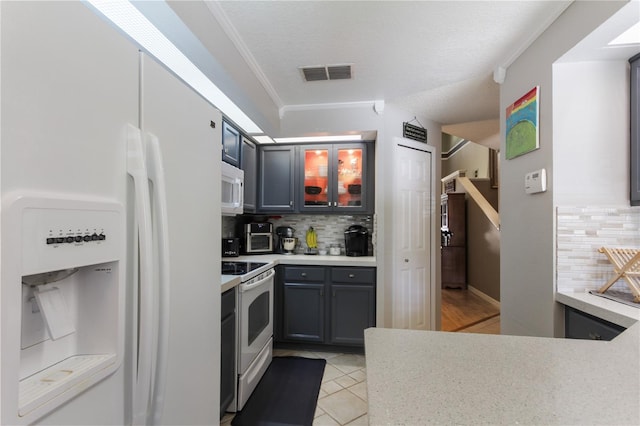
(230, 144)
(352, 304)
(324, 305)
(276, 181)
(228, 350)
(635, 130)
(249, 163)
(580, 325)
(336, 178)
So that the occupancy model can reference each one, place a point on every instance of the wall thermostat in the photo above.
(535, 181)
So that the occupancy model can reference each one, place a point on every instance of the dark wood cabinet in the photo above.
(453, 212)
(228, 350)
(324, 305)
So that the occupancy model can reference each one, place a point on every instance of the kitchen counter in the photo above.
(303, 259)
(230, 281)
(609, 310)
(422, 377)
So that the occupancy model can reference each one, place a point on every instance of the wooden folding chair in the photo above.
(626, 264)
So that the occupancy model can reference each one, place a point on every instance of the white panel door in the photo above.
(191, 148)
(413, 291)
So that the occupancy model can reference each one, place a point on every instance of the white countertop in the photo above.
(303, 259)
(422, 377)
(609, 310)
(230, 281)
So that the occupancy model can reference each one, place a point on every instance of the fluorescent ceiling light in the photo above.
(130, 20)
(335, 138)
(631, 36)
(264, 139)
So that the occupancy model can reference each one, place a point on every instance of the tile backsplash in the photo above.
(330, 228)
(581, 231)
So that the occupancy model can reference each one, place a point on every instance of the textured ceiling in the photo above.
(434, 58)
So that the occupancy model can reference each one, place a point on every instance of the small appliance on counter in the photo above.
(230, 247)
(257, 238)
(356, 241)
(286, 241)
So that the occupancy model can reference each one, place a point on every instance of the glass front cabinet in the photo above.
(335, 178)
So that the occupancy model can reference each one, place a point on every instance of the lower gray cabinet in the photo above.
(304, 312)
(324, 305)
(580, 325)
(228, 350)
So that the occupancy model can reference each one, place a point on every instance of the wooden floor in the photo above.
(463, 310)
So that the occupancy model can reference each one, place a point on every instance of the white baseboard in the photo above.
(484, 296)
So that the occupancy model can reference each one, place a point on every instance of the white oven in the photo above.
(255, 332)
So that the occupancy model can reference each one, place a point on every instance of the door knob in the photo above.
(406, 261)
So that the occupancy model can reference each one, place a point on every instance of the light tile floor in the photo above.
(343, 393)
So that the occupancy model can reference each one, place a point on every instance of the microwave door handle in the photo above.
(239, 193)
(248, 287)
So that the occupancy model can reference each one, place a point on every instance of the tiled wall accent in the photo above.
(330, 228)
(581, 231)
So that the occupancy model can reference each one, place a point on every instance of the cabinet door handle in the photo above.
(304, 274)
(334, 293)
(352, 275)
(321, 293)
(290, 203)
(595, 336)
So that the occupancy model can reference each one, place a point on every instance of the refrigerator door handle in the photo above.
(137, 169)
(156, 176)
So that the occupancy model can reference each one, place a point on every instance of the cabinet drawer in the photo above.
(580, 325)
(353, 275)
(304, 273)
(228, 303)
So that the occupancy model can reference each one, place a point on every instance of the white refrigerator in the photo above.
(88, 333)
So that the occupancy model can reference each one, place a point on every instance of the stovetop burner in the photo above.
(239, 268)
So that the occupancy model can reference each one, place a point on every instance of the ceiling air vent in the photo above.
(339, 72)
(328, 72)
(315, 73)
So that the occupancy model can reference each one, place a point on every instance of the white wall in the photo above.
(528, 221)
(591, 133)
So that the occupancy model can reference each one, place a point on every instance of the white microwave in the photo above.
(232, 190)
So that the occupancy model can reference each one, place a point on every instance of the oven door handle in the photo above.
(250, 286)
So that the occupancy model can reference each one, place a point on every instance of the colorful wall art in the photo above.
(522, 125)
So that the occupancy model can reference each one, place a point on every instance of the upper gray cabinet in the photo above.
(320, 178)
(276, 179)
(635, 130)
(249, 163)
(230, 144)
(336, 178)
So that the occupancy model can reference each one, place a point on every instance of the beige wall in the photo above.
(483, 244)
(471, 157)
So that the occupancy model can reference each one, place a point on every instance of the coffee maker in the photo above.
(286, 240)
(356, 241)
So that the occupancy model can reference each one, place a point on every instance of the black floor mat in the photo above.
(286, 395)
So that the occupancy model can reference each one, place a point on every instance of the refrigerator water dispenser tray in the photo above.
(52, 382)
